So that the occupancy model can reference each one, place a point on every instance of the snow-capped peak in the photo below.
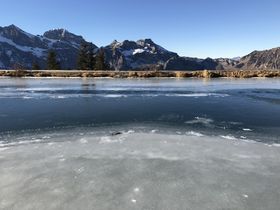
(63, 33)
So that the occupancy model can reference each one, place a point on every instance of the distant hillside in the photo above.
(267, 59)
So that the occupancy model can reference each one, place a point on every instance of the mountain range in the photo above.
(18, 47)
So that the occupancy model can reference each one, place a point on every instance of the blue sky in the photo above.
(199, 28)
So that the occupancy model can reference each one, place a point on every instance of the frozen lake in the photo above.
(140, 144)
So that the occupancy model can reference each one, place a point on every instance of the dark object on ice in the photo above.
(87, 85)
(116, 133)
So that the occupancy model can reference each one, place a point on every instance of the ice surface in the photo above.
(85, 169)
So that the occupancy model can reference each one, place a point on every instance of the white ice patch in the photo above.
(196, 95)
(128, 132)
(276, 145)
(245, 196)
(200, 120)
(154, 131)
(229, 137)
(60, 97)
(108, 140)
(247, 129)
(9, 144)
(113, 96)
(193, 133)
(83, 141)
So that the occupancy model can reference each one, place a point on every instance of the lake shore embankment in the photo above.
(141, 74)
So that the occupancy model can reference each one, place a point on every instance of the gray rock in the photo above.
(18, 47)
(139, 55)
(261, 60)
(193, 64)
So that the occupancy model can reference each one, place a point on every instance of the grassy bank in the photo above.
(142, 74)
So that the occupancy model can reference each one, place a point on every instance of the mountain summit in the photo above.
(141, 54)
(20, 47)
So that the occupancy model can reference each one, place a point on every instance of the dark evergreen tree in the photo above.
(91, 59)
(100, 63)
(82, 57)
(86, 59)
(52, 62)
(35, 66)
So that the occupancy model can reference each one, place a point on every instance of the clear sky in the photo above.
(199, 28)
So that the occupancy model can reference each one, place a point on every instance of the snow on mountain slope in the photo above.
(142, 54)
(39, 52)
(20, 47)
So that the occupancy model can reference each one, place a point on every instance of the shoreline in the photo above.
(141, 74)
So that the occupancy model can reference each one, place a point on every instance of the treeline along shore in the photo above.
(141, 74)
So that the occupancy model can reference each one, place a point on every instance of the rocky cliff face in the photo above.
(142, 54)
(192, 64)
(18, 47)
(266, 60)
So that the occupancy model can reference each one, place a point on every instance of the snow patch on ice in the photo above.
(245, 196)
(83, 141)
(193, 133)
(247, 129)
(154, 131)
(108, 140)
(229, 137)
(9, 144)
(113, 96)
(129, 132)
(200, 120)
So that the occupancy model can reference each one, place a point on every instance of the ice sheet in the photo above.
(138, 170)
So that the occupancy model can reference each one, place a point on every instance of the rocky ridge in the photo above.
(18, 47)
